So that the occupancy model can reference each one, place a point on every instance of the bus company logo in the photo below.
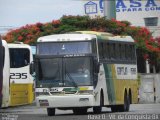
(90, 7)
(137, 5)
(93, 6)
(124, 6)
(122, 70)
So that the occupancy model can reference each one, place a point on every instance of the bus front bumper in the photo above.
(65, 101)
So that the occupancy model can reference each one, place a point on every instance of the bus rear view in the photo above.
(65, 72)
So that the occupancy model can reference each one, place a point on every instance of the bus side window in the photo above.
(100, 46)
(123, 51)
(129, 52)
(26, 57)
(120, 52)
(107, 51)
(112, 51)
(133, 54)
(117, 52)
(19, 57)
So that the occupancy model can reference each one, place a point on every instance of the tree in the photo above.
(29, 34)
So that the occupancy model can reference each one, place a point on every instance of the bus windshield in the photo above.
(69, 72)
(61, 48)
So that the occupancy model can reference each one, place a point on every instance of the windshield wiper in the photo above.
(70, 77)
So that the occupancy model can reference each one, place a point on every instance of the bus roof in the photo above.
(121, 38)
(13, 45)
(4, 42)
(66, 37)
(98, 34)
(107, 36)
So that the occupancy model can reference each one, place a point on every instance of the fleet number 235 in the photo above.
(18, 75)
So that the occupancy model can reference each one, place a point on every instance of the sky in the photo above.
(17, 13)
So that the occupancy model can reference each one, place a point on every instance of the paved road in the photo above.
(31, 112)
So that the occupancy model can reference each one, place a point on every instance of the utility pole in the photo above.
(110, 9)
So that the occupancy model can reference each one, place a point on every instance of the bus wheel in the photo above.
(51, 111)
(114, 108)
(126, 105)
(80, 111)
(97, 109)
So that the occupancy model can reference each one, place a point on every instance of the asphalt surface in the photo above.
(31, 112)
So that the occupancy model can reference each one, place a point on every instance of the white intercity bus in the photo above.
(21, 81)
(17, 82)
(78, 71)
(5, 75)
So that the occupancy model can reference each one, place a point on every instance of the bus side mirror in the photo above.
(32, 68)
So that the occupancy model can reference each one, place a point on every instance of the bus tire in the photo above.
(80, 111)
(115, 108)
(125, 107)
(128, 103)
(98, 109)
(51, 111)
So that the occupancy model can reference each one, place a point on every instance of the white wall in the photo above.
(135, 12)
(146, 90)
(132, 11)
(136, 15)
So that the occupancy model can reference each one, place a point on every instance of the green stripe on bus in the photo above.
(110, 84)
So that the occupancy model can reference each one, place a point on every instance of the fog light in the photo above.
(84, 99)
(43, 102)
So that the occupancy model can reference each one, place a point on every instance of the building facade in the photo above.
(137, 12)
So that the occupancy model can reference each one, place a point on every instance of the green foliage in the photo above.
(75, 21)
(30, 33)
(65, 28)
